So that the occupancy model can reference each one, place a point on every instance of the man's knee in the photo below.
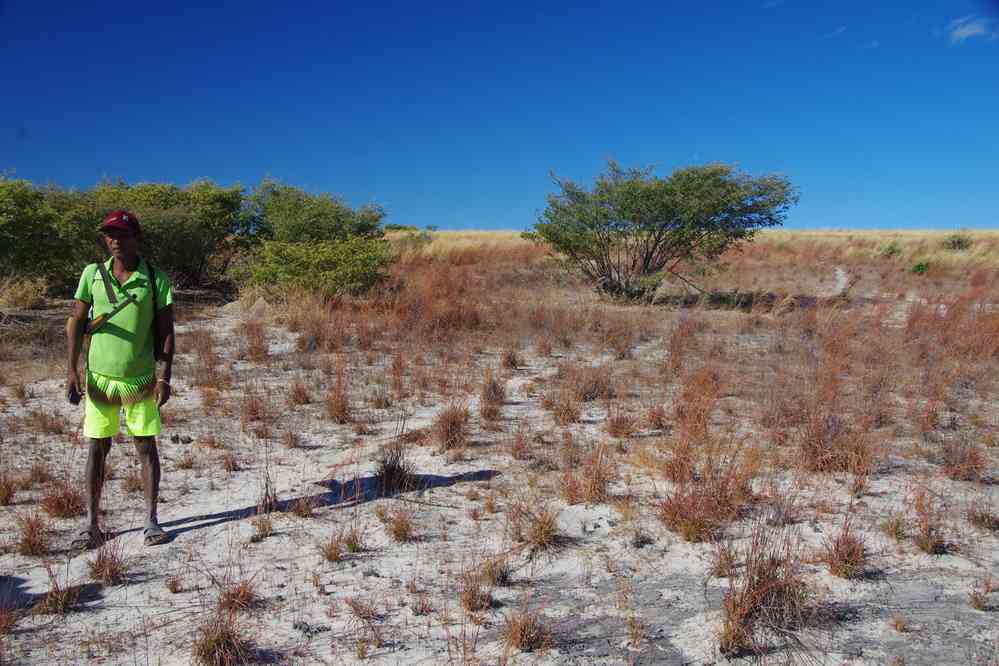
(100, 446)
(145, 446)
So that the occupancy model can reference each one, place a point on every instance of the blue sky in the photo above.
(885, 114)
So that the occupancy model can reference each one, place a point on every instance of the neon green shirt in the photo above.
(123, 347)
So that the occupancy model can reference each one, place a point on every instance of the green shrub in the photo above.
(892, 249)
(631, 227)
(292, 215)
(921, 267)
(29, 231)
(189, 232)
(349, 266)
(958, 242)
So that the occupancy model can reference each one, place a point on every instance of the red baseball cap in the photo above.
(120, 219)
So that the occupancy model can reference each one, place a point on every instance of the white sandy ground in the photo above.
(591, 592)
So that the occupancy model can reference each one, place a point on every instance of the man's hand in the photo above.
(161, 392)
(73, 392)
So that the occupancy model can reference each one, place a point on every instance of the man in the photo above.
(121, 364)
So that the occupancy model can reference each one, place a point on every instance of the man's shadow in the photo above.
(347, 494)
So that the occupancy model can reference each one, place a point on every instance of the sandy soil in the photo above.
(623, 589)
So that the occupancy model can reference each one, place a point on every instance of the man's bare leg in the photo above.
(96, 458)
(150, 458)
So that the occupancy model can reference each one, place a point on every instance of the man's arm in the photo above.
(74, 343)
(164, 322)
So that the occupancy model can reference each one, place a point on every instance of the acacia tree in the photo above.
(633, 229)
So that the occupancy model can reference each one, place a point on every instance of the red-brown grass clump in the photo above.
(845, 554)
(491, 396)
(298, 393)
(526, 630)
(8, 489)
(589, 481)
(254, 337)
(697, 399)
(450, 427)
(109, 566)
(702, 504)
(337, 404)
(219, 641)
(964, 460)
(929, 536)
(60, 598)
(475, 595)
(238, 595)
(34, 535)
(828, 443)
(770, 597)
(536, 527)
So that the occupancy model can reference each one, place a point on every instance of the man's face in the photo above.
(121, 244)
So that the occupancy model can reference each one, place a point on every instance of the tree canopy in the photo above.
(632, 228)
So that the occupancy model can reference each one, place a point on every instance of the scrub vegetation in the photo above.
(478, 456)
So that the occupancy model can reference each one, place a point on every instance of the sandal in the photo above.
(154, 535)
(88, 539)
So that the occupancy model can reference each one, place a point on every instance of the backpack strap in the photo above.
(157, 351)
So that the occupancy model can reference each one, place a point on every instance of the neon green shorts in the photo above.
(102, 419)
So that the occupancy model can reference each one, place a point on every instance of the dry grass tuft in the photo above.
(8, 489)
(401, 525)
(929, 523)
(711, 495)
(894, 526)
(491, 397)
(450, 427)
(982, 515)
(39, 473)
(34, 535)
(698, 397)
(621, 424)
(304, 507)
(337, 403)
(394, 473)
(263, 527)
(589, 481)
(254, 337)
(23, 293)
(254, 407)
(845, 555)
(109, 566)
(219, 641)
(828, 443)
(332, 549)
(236, 596)
(526, 630)
(475, 595)
(655, 418)
(60, 598)
(724, 559)
(496, 571)
(536, 526)
(770, 597)
(510, 359)
(298, 393)
(964, 460)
